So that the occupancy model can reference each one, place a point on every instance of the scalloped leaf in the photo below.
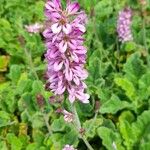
(91, 125)
(111, 140)
(127, 86)
(133, 134)
(114, 105)
(134, 67)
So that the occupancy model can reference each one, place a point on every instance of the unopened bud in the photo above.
(82, 131)
(52, 99)
(97, 106)
(47, 85)
(45, 76)
(59, 110)
(40, 100)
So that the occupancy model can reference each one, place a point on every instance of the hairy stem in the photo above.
(46, 119)
(93, 122)
(144, 40)
(30, 62)
(78, 124)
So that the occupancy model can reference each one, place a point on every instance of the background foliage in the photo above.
(119, 80)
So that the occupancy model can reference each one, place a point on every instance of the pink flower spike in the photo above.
(124, 25)
(66, 55)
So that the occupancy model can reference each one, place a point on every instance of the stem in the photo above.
(118, 53)
(87, 143)
(90, 127)
(98, 40)
(78, 124)
(29, 57)
(46, 119)
(144, 40)
(76, 117)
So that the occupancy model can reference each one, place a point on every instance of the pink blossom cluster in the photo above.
(124, 25)
(66, 55)
(34, 28)
(68, 147)
(68, 117)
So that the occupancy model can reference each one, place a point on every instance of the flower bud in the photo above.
(40, 100)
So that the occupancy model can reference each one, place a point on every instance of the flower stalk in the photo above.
(144, 38)
(78, 125)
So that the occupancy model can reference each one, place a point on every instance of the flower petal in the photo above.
(68, 74)
(60, 90)
(62, 46)
(58, 65)
(71, 98)
(81, 27)
(57, 4)
(73, 8)
(56, 28)
(67, 28)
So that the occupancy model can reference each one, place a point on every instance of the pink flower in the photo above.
(68, 117)
(68, 147)
(124, 25)
(34, 28)
(66, 55)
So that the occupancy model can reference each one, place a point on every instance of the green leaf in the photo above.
(91, 126)
(144, 86)
(70, 137)
(58, 125)
(84, 110)
(127, 86)
(32, 146)
(56, 140)
(134, 68)
(104, 7)
(145, 146)
(37, 120)
(3, 145)
(111, 140)
(125, 119)
(4, 118)
(140, 126)
(24, 84)
(4, 60)
(130, 46)
(37, 87)
(38, 137)
(15, 73)
(15, 142)
(114, 105)
(133, 134)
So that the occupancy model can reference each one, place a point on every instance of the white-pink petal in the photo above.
(58, 65)
(67, 28)
(81, 27)
(56, 28)
(62, 46)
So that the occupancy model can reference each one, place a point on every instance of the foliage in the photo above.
(119, 79)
